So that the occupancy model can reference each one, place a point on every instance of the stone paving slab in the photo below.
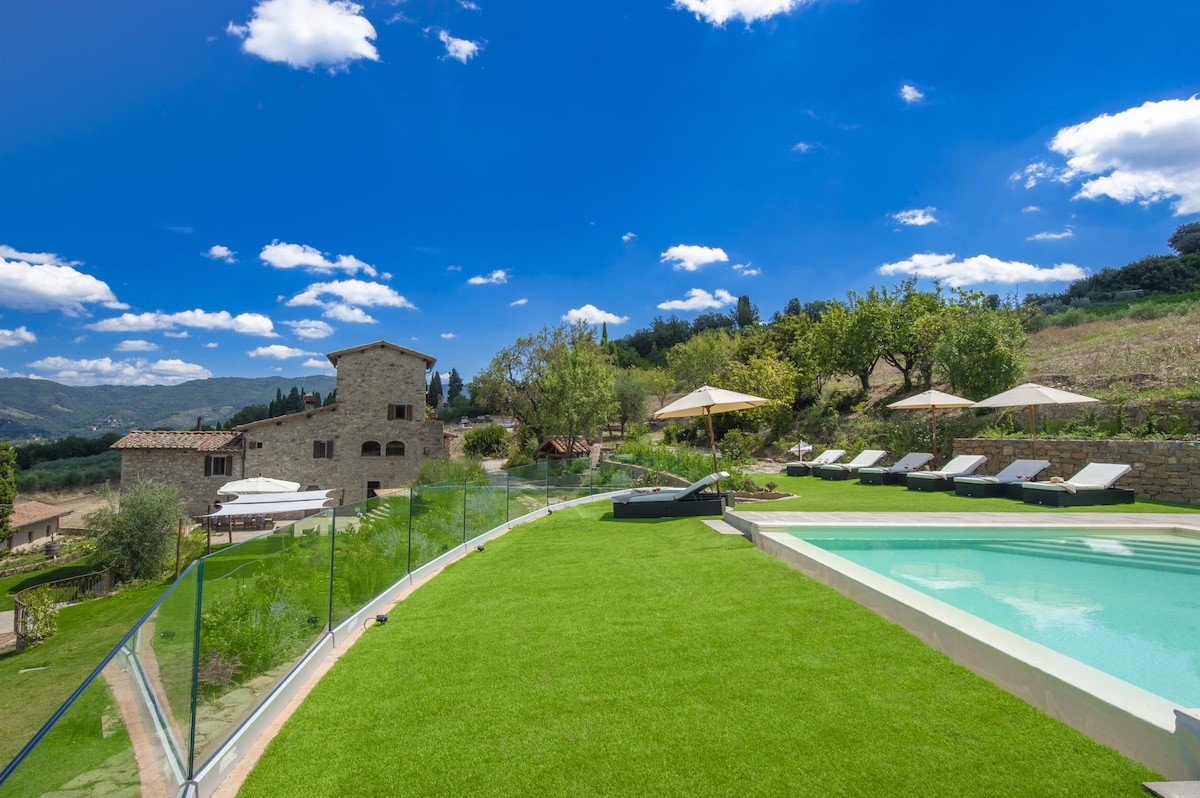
(1173, 789)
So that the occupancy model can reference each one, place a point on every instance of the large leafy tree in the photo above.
(981, 351)
(701, 358)
(630, 392)
(659, 383)
(772, 378)
(578, 384)
(8, 488)
(514, 382)
(910, 333)
(135, 530)
(746, 313)
(1186, 238)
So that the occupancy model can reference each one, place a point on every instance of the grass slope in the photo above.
(584, 656)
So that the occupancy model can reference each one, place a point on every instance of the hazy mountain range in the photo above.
(40, 409)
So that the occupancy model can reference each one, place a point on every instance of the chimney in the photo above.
(310, 401)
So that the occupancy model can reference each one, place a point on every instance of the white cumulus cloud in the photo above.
(282, 255)
(310, 329)
(358, 293)
(699, 299)
(917, 217)
(593, 315)
(448, 335)
(718, 12)
(106, 371)
(1068, 233)
(462, 50)
(1031, 209)
(16, 337)
(43, 281)
(518, 302)
(746, 270)
(245, 323)
(220, 252)
(498, 277)
(308, 33)
(318, 363)
(1145, 154)
(689, 257)
(348, 313)
(628, 237)
(278, 352)
(980, 269)
(911, 94)
(136, 345)
(1036, 172)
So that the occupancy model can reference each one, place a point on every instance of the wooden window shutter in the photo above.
(391, 412)
(318, 449)
(229, 466)
(329, 449)
(208, 465)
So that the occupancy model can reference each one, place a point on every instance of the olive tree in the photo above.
(981, 351)
(135, 530)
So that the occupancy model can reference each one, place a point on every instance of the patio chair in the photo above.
(1007, 483)
(804, 468)
(1092, 485)
(895, 473)
(865, 459)
(943, 479)
(695, 499)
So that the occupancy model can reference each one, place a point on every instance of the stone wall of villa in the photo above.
(1163, 470)
(183, 468)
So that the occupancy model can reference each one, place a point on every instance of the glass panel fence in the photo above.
(486, 506)
(437, 521)
(526, 489)
(264, 603)
(370, 552)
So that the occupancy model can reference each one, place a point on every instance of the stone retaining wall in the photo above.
(1164, 470)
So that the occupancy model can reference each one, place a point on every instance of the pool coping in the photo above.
(1133, 721)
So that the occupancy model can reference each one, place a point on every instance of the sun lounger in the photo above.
(865, 459)
(1007, 483)
(943, 479)
(894, 474)
(804, 468)
(695, 499)
(1092, 485)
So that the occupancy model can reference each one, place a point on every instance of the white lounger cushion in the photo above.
(864, 459)
(909, 462)
(1017, 471)
(960, 466)
(1093, 476)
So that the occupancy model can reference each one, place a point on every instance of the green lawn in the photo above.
(10, 585)
(86, 633)
(579, 655)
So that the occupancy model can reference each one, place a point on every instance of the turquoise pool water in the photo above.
(1125, 602)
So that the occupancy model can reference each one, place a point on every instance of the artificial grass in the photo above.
(579, 655)
(812, 494)
(11, 585)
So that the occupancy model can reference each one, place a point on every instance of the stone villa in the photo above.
(374, 436)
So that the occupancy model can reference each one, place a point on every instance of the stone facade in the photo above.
(1164, 470)
(375, 436)
(198, 463)
(34, 525)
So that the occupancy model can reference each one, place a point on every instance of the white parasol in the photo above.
(242, 487)
(1033, 394)
(933, 400)
(706, 400)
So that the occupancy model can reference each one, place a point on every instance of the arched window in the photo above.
(395, 449)
(370, 449)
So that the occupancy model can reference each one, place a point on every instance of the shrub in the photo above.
(135, 531)
(41, 616)
(490, 440)
(1148, 311)
(736, 446)
(1070, 318)
(443, 470)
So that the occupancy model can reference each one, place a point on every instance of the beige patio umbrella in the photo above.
(933, 400)
(1033, 394)
(706, 400)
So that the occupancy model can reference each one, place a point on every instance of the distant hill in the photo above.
(44, 410)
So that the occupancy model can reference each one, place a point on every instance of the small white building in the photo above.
(36, 524)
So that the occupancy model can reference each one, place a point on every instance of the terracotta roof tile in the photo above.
(199, 441)
(31, 512)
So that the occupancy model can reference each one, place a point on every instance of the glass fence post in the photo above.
(195, 698)
(508, 494)
(412, 499)
(464, 537)
(332, 554)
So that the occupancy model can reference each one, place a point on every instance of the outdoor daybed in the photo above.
(865, 459)
(804, 468)
(894, 474)
(943, 479)
(695, 499)
(1007, 483)
(1092, 485)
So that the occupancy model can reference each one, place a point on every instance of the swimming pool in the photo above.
(1024, 572)
(1123, 601)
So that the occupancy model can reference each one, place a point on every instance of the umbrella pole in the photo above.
(933, 412)
(712, 442)
(1032, 435)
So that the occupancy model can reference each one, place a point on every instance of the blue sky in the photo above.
(235, 188)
